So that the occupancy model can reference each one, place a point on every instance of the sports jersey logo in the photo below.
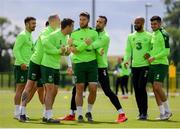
(50, 79)
(75, 79)
(104, 72)
(33, 76)
(133, 39)
(157, 76)
(146, 73)
(22, 79)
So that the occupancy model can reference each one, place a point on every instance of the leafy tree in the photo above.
(6, 32)
(172, 20)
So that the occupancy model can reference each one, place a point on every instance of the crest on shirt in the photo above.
(50, 79)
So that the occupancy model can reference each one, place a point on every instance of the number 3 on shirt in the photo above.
(138, 46)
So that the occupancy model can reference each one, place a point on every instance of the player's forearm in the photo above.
(163, 53)
(81, 47)
(128, 54)
(49, 48)
(17, 54)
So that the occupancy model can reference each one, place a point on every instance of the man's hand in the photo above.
(62, 49)
(151, 59)
(146, 56)
(23, 67)
(102, 52)
(126, 64)
(70, 41)
(69, 71)
(88, 41)
(68, 51)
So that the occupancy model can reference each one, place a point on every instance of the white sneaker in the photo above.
(161, 117)
(17, 116)
(168, 115)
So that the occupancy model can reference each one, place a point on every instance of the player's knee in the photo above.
(156, 86)
(50, 87)
(92, 90)
(79, 88)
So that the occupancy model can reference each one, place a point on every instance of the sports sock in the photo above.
(79, 110)
(166, 106)
(89, 108)
(161, 109)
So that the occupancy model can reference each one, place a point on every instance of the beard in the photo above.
(84, 26)
(32, 28)
(98, 29)
(137, 28)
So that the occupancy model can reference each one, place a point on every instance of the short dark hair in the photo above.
(85, 14)
(66, 22)
(104, 17)
(155, 18)
(27, 19)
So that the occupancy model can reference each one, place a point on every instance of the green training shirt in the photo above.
(138, 44)
(23, 48)
(78, 37)
(38, 54)
(52, 44)
(102, 41)
(123, 71)
(160, 47)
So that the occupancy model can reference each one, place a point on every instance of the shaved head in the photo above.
(139, 24)
(140, 19)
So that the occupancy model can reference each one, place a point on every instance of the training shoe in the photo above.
(17, 117)
(161, 117)
(44, 119)
(168, 115)
(124, 96)
(89, 117)
(52, 121)
(23, 118)
(68, 117)
(142, 117)
(121, 118)
(80, 118)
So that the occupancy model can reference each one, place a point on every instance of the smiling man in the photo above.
(159, 65)
(22, 50)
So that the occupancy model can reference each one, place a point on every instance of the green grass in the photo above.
(103, 112)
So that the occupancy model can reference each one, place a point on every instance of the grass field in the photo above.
(103, 112)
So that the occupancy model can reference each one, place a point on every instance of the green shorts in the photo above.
(50, 75)
(157, 73)
(34, 71)
(20, 75)
(40, 82)
(86, 72)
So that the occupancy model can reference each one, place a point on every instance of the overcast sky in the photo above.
(120, 14)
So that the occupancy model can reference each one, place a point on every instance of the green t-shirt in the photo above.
(23, 48)
(38, 54)
(102, 42)
(138, 44)
(78, 36)
(160, 47)
(123, 71)
(52, 44)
